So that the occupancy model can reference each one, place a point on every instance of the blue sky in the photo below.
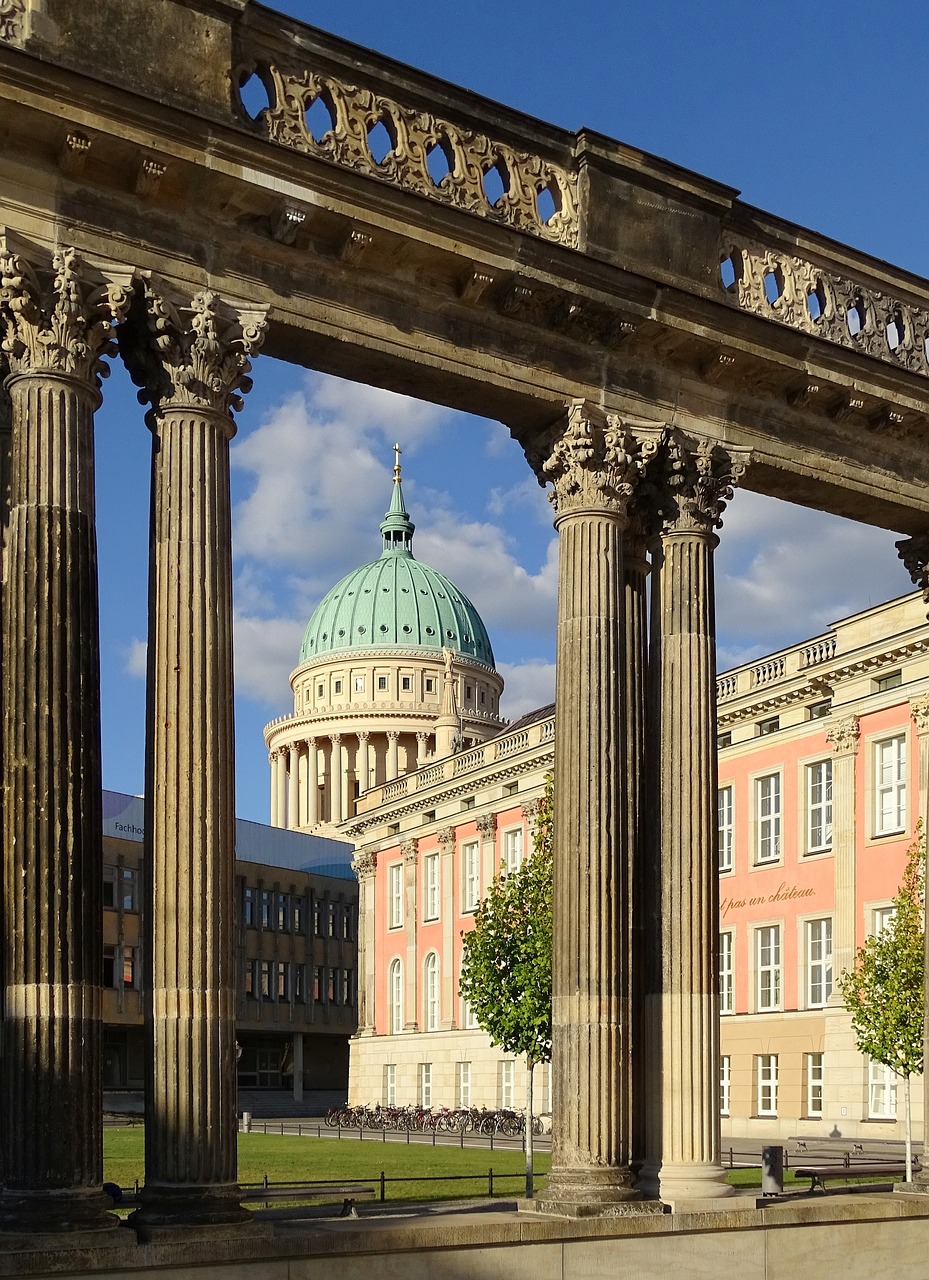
(817, 113)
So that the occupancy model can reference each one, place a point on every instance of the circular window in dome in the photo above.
(407, 627)
(361, 631)
(367, 591)
(441, 595)
(450, 634)
(351, 593)
(466, 639)
(430, 631)
(383, 626)
(385, 588)
(423, 591)
(325, 637)
(341, 631)
(405, 590)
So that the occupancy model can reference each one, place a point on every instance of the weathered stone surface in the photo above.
(191, 362)
(55, 324)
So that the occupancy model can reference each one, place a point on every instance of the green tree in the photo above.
(884, 991)
(506, 966)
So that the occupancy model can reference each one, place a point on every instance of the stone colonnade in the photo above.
(190, 356)
(635, 1009)
(313, 780)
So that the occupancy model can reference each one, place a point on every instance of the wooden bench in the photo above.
(819, 1173)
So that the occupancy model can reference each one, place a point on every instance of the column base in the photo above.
(168, 1207)
(52, 1212)
(590, 1192)
(693, 1182)
(918, 1187)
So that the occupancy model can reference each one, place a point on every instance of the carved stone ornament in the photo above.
(364, 865)
(410, 850)
(914, 552)
(592, 465)
(919, 710)
(686, 485)
(487, 826)
(193, 355)
(843, 736)
(12, 20)
(531, 812)
(427, 154)
(447, 839)
(58, 319)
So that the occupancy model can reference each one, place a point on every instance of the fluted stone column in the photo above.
(635, 575)
(364, 762)
(312, 783)
(280, 783)
(843, 738)
(914, 552)
(365, 866)
(55, 324)
(335, 778)
(272, 801)
(393, 760)
(593, 475)
(690, 485)
(293, 788)
(191, 360)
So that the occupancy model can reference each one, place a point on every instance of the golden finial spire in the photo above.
(397, 452)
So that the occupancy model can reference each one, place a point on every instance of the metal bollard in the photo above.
(772, 1171)
(246, 1122)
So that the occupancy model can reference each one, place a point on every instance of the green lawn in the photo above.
(293, 1159)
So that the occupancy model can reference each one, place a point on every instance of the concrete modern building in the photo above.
(295, 958)
(820, 787)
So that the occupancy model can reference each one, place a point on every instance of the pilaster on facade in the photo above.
(57, 318)
(365, 866)
(843, 736)
(191, 357)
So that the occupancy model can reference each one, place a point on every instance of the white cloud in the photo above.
(135, 658)
(529, 685)
(784, 573)
(266, 651)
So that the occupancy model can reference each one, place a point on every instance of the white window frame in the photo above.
(882, 1092)
(889, 762)
(768, 973)
(818, 948)
(463, 1084)
(507, 1084)
(512, 850)
(431, 886)
(819, 806)
(431, 1009)
(468, 1017)
(815, 1080)
(470, 876)
(395, 895)
(725, 807)
(390, 1084)
(766, 1081)
(769, 791)
(726, 971)
(881, 918)
(395, 995)
(725, 1084)
(425, 1084)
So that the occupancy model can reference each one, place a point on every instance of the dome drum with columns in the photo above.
(396, 669)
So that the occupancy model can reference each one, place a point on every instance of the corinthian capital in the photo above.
(12, 20)
(364, 864)
(919, 710)
(195, 354)
(914, 552)
(592, 464)
(843, 736)
(58, 318)
(688, 484)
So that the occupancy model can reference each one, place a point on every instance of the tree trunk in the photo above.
(530, 1069)
(909, 1132)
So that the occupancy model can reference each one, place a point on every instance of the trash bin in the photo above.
(772, 1171)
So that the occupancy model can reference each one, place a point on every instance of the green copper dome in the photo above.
(396, 600)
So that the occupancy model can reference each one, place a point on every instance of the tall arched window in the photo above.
(431, 992)
(395, 995)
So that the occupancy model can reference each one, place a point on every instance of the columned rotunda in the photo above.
(396, 669)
